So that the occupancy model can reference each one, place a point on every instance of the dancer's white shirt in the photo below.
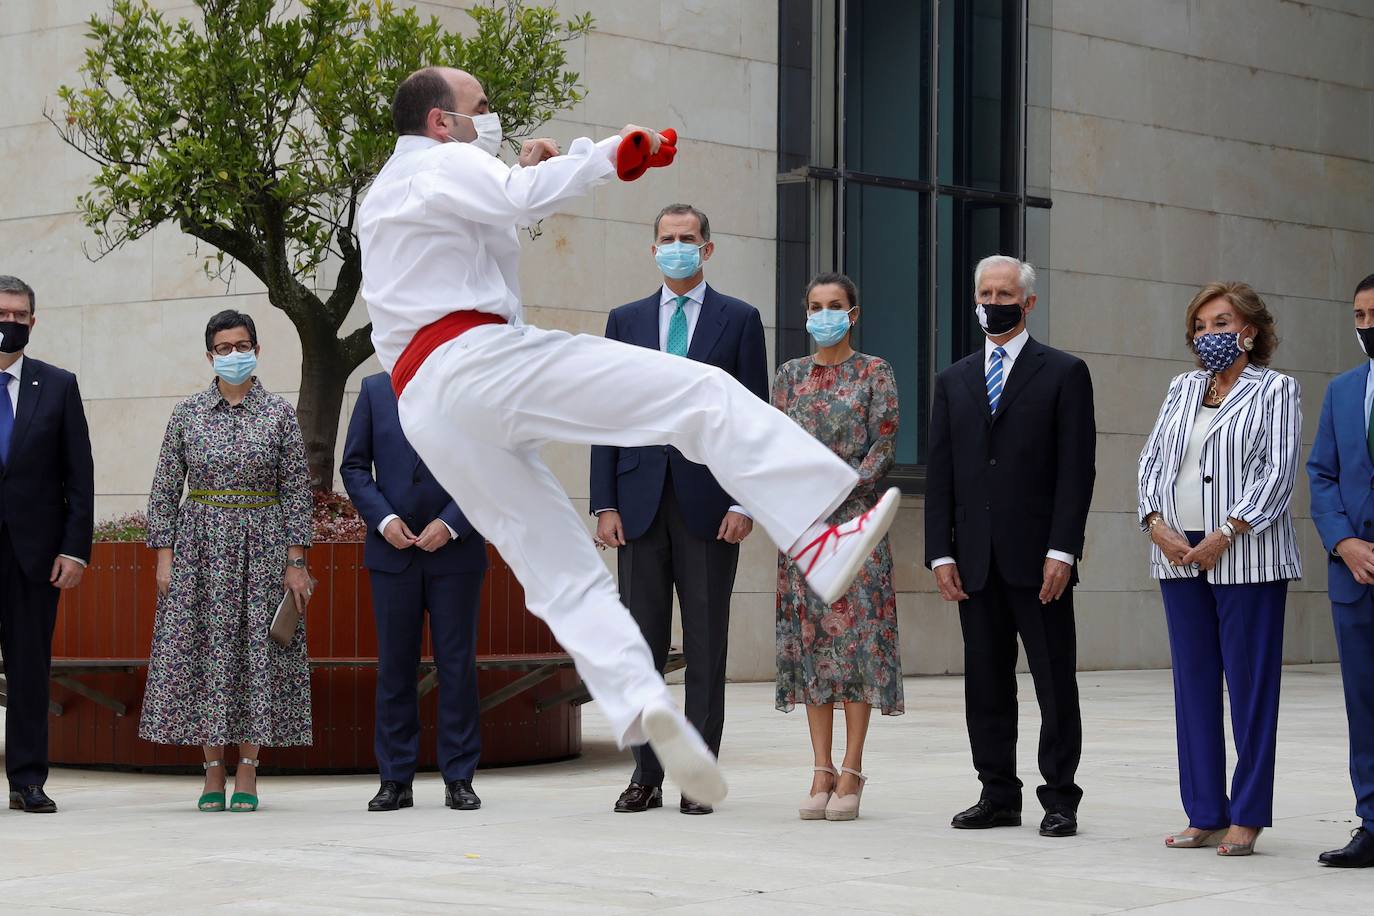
(439, 225)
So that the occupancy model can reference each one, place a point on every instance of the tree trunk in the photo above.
(324, 373)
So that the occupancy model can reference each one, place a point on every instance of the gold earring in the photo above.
(1248, 343)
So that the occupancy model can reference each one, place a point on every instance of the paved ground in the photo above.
(546, 840)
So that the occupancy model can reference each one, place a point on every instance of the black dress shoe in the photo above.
(1059, 823)
(459, 796)
(984, 815)
(392, 796)
(1358, 853)
(32, 799)
(687, 806)
(639, 798)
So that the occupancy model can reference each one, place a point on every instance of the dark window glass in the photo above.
(885, 229)
(887, 84)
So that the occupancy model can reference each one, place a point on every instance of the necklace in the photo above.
(1214, 396)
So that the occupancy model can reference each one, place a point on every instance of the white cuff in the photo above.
(599, 511)
(68, 556)
(381, 529)
(453, 535)
(942, 561)
(740, 510)
(1061, 556)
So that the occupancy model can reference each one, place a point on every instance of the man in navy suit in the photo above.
(673, 524)
(1342, 476)
(47, 505)
(439, 569)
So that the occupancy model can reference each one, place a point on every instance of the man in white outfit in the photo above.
(481, 392)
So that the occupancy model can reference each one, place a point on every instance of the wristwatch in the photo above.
(298, 562)
(1228, 530)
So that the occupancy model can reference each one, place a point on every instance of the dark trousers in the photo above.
(1235, 631)
(1355, 641)
(399, 602)
(991, 619)
(28, 614)
(704, 574)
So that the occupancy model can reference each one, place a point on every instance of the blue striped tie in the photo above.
(995, 379)
(6, 417)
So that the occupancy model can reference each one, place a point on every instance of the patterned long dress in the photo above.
(214, 675)
(845, 652)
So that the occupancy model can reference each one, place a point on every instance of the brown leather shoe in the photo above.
(639, 798)
(686, 806)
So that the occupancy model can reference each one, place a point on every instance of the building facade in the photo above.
(1132, 151)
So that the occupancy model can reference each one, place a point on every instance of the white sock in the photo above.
(810, 534)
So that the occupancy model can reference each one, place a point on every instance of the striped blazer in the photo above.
(1249, 466)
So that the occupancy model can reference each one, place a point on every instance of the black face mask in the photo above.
(999, 319)
(1366, 336)
(16, 336)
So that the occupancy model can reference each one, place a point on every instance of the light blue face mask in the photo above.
(828, 326)
(678, 260)
(236, 368)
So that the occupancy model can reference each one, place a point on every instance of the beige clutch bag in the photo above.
(286, 619)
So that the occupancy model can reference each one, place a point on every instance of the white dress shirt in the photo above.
(667, 305)
(438, 230)
(1012, 349)
(1368, 396)
(16, 371)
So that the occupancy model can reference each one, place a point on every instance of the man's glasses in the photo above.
(224, 349)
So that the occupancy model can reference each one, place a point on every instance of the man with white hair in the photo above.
(1010, 479)
(480, 392)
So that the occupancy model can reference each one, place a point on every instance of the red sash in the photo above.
(430, 337)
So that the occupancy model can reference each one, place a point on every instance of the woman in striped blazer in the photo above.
(1215, 482)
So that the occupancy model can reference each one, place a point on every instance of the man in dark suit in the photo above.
(439, 570)
(1011, 468)
(47, 506)
(1341, 471)
(673, 524)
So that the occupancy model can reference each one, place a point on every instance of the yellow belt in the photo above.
(263, 498)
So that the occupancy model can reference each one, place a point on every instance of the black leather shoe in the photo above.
(459, 796)
(686, 806)
(1059, 823)
(639, 798)
(33, 800)
(984, 815)
(392, 796)
(1358, 853)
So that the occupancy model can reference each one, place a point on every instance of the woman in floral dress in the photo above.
(845, 652)
(225, 557)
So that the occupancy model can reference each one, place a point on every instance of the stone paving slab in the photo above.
(546, 840)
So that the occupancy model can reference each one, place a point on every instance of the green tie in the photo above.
(677, 329)
(1368, 432)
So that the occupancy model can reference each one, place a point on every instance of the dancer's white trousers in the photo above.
(483, 404)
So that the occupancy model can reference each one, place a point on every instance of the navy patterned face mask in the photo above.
(1218, 351)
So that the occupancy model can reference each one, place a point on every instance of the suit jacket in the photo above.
(384, 476)
(1017, 484)
(47, 490)
(1249, 467)
(1342, 478)
(729, 334)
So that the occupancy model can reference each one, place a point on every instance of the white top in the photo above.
(667, 305)
(438, 230)
(1188, 486)
(1012, 349)
(1368, 395)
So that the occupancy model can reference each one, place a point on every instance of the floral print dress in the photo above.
(845, 652)
(214, 675)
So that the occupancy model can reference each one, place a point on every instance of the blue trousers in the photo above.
(1235, 631)
(1355, 642)
(399, 601)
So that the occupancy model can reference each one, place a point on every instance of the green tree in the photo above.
(256, 127)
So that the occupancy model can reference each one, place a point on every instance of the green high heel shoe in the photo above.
(211, 801)
(242, 801)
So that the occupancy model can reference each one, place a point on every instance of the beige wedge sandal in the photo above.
(813, 809)
(845, 807)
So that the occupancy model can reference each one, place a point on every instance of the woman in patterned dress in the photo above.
(224, 558)
(845, 652)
